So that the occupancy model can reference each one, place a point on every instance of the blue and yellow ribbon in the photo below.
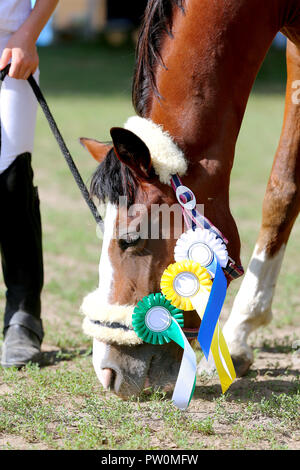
(208, 302)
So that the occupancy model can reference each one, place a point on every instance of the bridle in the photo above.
(194, 218)
(210, 336)
(196, 281)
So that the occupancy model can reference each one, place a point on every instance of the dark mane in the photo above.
(112, 180)
(157, 22)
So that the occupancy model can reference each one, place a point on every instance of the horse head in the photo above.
(142, 223)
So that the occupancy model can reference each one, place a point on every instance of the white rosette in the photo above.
(200, 245)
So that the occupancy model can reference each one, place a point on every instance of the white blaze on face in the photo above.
(106, 276)
(252, 305)
(105, 267)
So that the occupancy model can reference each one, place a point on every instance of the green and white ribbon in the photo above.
(156, 321)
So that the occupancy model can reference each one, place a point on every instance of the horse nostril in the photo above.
(107, 377)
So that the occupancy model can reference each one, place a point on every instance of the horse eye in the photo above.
(128, 240)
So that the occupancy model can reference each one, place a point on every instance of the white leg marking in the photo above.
(252, 305)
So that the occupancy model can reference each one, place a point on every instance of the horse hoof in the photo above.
(206, 366)
(242, 358)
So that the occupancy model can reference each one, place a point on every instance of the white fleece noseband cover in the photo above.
(108, 323)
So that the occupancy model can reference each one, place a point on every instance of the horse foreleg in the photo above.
(252, 305)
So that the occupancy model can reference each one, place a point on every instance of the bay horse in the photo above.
(196, 63)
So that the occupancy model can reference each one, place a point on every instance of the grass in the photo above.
(61, 405)
(61, 408)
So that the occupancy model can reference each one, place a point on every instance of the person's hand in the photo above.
(23, 55)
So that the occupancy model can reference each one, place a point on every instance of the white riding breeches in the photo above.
(18, 108)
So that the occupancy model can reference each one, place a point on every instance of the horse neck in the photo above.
(210, 66)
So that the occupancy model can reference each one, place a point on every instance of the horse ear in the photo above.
(132, 151)
(98, 150)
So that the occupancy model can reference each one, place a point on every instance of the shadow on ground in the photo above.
(50, 358)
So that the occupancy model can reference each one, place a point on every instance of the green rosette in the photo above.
(152, 319)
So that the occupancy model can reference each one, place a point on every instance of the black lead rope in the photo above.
(64, 149)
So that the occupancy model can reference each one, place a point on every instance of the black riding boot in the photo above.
(22, 263)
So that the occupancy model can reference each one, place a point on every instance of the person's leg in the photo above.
(18, 108)
(20, 231)
(22, 263)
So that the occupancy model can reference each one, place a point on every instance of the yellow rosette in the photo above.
(183, 280)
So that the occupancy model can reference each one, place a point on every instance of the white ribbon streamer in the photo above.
(186, 377)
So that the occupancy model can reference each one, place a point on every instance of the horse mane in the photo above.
(112, 179)
(158, 21)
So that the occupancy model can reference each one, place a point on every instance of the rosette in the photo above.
(156, 321)
(153, 316)
(181, 281)
(200, 245)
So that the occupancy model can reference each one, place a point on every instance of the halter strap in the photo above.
(190, 333)
(194, 218)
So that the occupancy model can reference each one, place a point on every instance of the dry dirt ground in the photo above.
(248, 417)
